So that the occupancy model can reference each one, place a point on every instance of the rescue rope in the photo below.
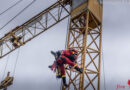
(17, 14)
(67, 32)
(65, 45)
(103, 69)
(10, 7)
(16, 61)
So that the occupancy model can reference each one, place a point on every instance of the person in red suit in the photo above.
(129, 83)
(65, 57)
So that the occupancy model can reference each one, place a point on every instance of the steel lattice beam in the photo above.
(85, 35)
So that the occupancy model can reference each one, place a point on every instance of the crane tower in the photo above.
(85, 34)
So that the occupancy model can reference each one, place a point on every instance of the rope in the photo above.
(17, 14)
(65, 46)
(11, 7)
(103, 69)
(16, 61)
(5, 67)
(67, 32)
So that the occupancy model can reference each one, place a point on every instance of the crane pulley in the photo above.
(16, 40)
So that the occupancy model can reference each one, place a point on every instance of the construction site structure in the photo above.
(84, 34)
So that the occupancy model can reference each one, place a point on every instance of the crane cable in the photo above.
(17, 14)
(10, 7)
(6, 66)
(15, 65)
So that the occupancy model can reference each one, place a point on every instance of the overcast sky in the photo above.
(32, 71)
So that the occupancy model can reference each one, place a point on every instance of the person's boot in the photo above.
(64, 81)
(79, 69)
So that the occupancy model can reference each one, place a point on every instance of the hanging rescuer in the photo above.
(64, 57)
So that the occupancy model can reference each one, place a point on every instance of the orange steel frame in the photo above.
(85, 34)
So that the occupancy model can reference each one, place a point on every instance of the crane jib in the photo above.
(33, 27)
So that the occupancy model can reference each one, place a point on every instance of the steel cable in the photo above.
(16, 61)
(10, 7)
(5, 67)
(17, 14)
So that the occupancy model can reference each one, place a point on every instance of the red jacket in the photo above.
(69, 54)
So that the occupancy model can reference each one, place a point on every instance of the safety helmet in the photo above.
(73, 51)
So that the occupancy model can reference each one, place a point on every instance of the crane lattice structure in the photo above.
(85, 34)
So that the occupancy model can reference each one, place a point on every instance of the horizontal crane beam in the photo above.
(33, 27)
